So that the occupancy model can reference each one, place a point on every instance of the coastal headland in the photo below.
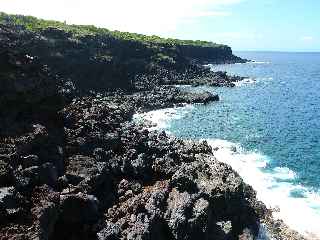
(73, 165)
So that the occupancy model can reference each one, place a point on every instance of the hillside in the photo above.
(73, 164)
(112, 58)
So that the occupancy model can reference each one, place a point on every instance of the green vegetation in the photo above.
(35, 24)
(162, 58)
(112, 58)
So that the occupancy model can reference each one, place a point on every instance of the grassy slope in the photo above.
(96, 58)
(36, 24)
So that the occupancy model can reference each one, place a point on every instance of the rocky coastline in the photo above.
(74, 166)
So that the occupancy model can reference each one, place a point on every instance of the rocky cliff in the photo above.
(112, 59)
(74, 166)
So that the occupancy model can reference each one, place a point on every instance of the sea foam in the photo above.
(297, 206)
(274, 187)
(258, 62)
(245, 82)
(160, 118)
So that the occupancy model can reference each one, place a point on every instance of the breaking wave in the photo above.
(296, 205)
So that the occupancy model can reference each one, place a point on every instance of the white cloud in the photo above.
(307, 38)
(237, 39)
(210, 14)
(145, 16)
(224, 36)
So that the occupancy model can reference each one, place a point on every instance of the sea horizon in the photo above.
(278, 51)
(266, 129)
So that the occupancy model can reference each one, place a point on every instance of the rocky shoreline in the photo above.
(74, 166)
(270, 228)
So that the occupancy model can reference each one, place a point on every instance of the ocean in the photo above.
(267, 128)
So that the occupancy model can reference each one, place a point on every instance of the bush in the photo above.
(35, 24)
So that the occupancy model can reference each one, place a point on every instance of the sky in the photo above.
(264, 25)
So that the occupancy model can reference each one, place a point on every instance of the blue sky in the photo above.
(285, 25)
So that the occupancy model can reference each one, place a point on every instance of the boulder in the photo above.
(81, 167)
(48, 174)
(45, 210)
(191, 97)
(79, 209)
(6, 174)
(11, 203)
(30, 161)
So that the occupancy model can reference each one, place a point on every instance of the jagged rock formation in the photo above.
(112, 59)
(74, 166)
(112, 178)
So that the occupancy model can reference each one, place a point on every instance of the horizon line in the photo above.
(279, 51)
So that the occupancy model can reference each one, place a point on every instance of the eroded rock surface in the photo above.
(74, 166)
(117, 180)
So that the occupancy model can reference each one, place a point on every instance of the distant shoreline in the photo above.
(74, 166)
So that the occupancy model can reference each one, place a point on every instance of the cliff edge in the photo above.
(72, 163)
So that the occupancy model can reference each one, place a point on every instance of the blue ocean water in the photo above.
(277, 114)
(268, 129)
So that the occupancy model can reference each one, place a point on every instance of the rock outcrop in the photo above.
(74, 166)
(114, 179)
(112, 59)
